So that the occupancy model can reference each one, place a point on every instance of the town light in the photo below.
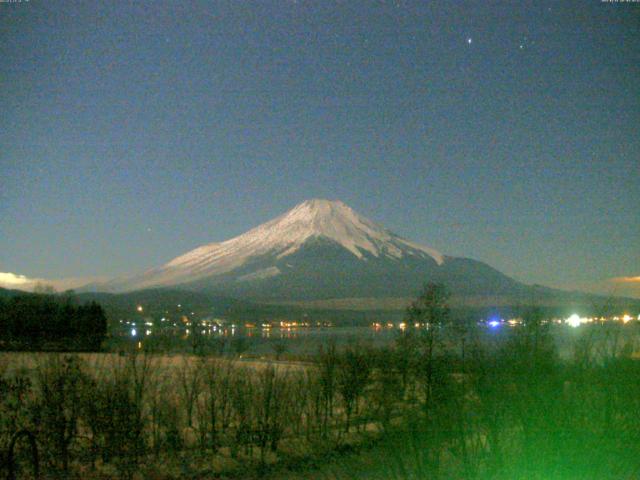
(574, 320)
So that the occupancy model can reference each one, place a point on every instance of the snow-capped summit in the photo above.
(338, 222)
(272, 242)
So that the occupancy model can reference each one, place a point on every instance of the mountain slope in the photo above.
(318, 250)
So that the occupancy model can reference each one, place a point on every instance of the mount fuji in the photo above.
(319, 250)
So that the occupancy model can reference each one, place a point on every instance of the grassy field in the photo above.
(169, 364)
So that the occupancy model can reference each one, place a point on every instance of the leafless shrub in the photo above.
(352, 376)
(190, 383)
(214, 407)
(60, 382)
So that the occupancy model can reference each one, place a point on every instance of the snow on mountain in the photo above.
(281, 237)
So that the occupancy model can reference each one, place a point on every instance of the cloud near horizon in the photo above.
(627, 279)
(22, 282)
(615, 286)
(626, 286)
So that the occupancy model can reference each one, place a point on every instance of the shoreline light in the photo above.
(574, 320)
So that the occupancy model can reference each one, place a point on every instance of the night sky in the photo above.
(507, 132)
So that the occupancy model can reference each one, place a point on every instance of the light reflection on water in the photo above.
(309, 339)
(295, 333)
(262, 340)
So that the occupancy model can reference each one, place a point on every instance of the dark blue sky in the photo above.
(503, 131)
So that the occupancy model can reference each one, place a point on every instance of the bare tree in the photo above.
(327, 366)
(352, 377)
(190, 381)
(270, 407)
(242, 394)
(430, 310)
(279, 347)
(215, 409)
(58, 407)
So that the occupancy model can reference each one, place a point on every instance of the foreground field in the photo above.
(169, 364)
(438, 403)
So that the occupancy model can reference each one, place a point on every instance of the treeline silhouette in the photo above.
(446, 400)
(50, 322)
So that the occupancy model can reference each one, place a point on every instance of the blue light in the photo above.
(133, 332)
(494, 323)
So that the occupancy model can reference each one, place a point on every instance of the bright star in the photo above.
(469, 40)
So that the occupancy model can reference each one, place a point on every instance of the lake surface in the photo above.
(308, 340)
